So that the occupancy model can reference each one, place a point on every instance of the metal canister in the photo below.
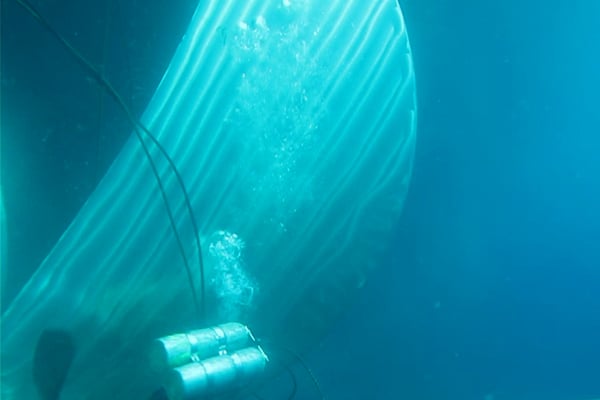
(179, 349)
(216, 375)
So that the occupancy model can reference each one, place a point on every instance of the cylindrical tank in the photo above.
(216, 375)
(179, 349)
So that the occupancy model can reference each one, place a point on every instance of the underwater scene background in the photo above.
(491, 288)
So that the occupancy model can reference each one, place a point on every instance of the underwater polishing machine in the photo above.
(175, 350)
(208, 362)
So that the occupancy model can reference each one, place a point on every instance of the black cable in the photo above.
(294, 390)
(102, 69)
(138, 128)
(292, 395)
(298, 359)
(308, 371)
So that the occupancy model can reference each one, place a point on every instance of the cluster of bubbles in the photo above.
(233, 288)
(277, 108)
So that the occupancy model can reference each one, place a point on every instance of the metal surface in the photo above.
(293, 126)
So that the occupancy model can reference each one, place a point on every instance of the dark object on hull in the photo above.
(53, 356)
(160, 394)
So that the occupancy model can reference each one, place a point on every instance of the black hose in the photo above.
(296, 357)
(138, 129)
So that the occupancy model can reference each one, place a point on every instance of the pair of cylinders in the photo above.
(208, 362)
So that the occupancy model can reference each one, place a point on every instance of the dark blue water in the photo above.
(493, 285)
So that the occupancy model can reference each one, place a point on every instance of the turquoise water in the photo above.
(489, 289)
